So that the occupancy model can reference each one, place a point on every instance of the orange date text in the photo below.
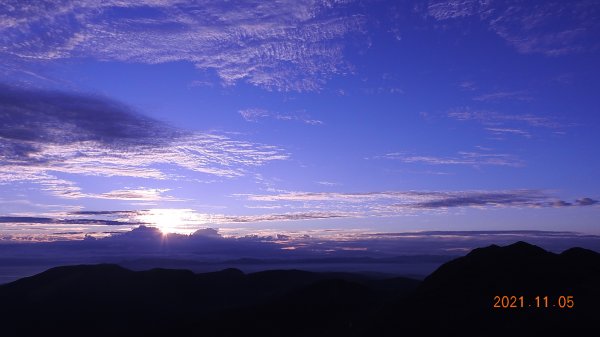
(515, 302)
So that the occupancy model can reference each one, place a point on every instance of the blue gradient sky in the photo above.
(299, 117)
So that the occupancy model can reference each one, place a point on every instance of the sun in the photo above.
(172, 220)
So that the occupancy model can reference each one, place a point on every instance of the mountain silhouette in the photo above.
(459, 297)
(456, 299)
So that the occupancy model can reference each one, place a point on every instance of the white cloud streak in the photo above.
(391, 203)
(495, 118)
(503, 131)
(256, 114)
(141, 194)
(474, 159)
(501, 124)
(202, 153)
(281, 45)
(504, 95)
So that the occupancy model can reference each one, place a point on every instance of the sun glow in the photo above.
(170, 220)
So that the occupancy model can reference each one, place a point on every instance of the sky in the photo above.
(288, 121)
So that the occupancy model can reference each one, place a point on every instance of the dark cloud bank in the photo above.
(44, 132)
(31, 118)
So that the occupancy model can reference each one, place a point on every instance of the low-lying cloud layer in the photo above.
(289, 206)
(206, 249)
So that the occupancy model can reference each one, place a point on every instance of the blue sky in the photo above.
(322, 118)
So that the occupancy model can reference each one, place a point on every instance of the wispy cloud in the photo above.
(256, 114)
(474, 159)
(552, 28)
(63, 221)
(389, 203)
(467, 85)
(45, 133)
(509, 131)
(443, 10)
(104, 212)
(293, 216)
(496, 118)
(504, 95)
(185, 221)
(525, 125)
(282, 45)
(421, 199)
(290, 206)
(327, 183)
(358, 197)
(141, 194)
(484, 199)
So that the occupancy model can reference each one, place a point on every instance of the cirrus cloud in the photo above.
(551, 28)
(256, 114)
(282, 45)
(391, 203)
(44, 133)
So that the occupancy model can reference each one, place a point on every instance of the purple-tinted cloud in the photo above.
(41, 220)
(586, 202)
(479, 199)
(146, 247)
(289, 206)
(391, 203)
(561, 203)
(104, 212)
(504, 95)
(256, 114)
(282, 45)
(549, 27)
(43, 132)
(461, 158)
(495, 119)
(501, 124)
(509, 131)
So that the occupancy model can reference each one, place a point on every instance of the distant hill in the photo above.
(457, 299)
(109, 300)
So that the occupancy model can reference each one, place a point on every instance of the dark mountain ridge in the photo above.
(464, 296)
(456, 299)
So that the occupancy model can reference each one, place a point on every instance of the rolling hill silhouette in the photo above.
(457, 299)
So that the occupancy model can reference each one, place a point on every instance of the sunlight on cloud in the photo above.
(181, 221)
